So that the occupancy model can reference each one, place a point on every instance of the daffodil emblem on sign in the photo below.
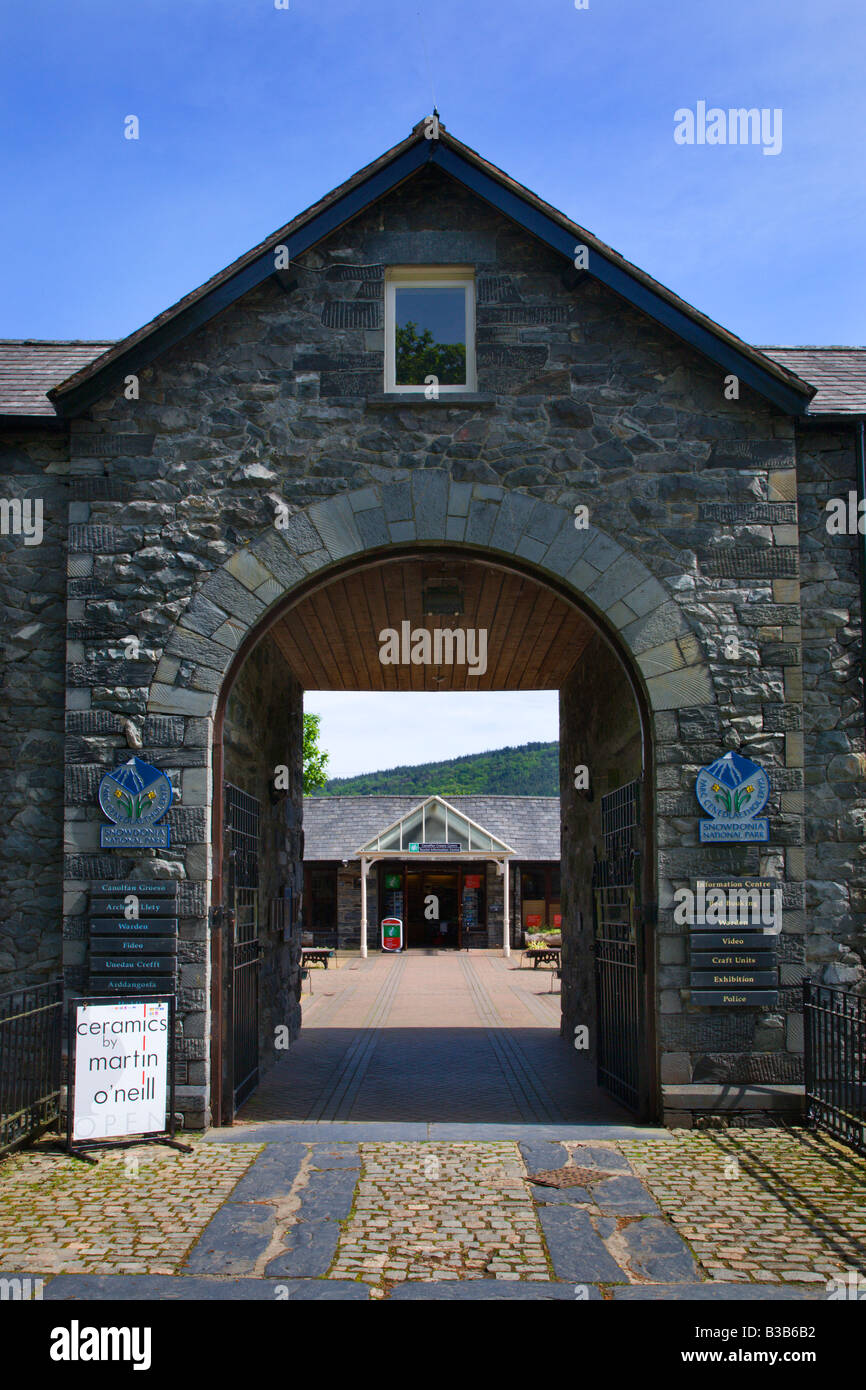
(135, 794)
(732, 787)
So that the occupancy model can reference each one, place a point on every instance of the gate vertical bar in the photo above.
(623, 1067)
(242, 816)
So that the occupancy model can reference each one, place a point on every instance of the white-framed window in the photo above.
(430, 329)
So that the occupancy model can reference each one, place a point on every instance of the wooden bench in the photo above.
(548, 955)
(316, 955)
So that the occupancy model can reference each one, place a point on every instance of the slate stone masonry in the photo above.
(705, 520)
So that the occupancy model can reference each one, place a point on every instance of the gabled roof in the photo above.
(839, 373)
(513, 200)
(334, 826)
(29, 369)
(434, 820)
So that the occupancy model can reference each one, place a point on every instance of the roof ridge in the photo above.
(58, 342)
(780, 383)
(810, 347)
(411, 796)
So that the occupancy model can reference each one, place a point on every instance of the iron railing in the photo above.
(834, 1039)
(30, 1062)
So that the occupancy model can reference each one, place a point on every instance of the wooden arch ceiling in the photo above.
(330, 638)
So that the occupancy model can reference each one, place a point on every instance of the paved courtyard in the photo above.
(432, 1035)
(430, 1136)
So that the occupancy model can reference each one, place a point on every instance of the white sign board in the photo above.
(121, 1069)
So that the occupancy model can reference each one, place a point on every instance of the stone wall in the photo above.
(34, 466)
(263, 731)
(835, 765)
(691, 555)
(349, 907)
(599, 729)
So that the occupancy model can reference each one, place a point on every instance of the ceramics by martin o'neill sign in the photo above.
(733, 791)
(135, 796)
(121, 1069)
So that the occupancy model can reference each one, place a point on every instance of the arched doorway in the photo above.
(329, 635)
(576, 606)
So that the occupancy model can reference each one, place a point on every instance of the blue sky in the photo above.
(249, 113)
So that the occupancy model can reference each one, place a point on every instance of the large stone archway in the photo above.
(615, 587)
(646, 641)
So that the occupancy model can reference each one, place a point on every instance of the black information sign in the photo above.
(734, 979)
(132, 984)
(733, 961)
(133, 938)
(732, 941)
(147, 906)
(142, 927)
(752, 997)
(152, 888)
(127, 945)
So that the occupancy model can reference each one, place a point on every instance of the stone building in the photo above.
(450, 897)
(430, 398)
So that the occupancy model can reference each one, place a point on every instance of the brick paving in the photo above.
(436, 1035)
(137, 1211)
(441, 1211)
(767, 1206)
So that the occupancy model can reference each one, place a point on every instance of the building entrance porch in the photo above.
(441, 908)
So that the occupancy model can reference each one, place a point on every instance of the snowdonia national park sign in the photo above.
(733, 790)
(135, 796)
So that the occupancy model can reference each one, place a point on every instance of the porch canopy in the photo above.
(438, 831)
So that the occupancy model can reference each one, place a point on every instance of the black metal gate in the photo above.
(835, 1062)
(242, 845)
(30, 1061)
(619, 950)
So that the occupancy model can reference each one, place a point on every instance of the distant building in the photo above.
(446, 897)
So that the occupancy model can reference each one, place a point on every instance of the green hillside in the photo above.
(530, 770)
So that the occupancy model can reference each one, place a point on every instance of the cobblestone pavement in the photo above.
(547, 1213)
(137, 1211)
(431, 1136)
(436, 1035)
(441, 1211)
(760, 1205)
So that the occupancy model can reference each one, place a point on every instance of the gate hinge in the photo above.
(219, 917)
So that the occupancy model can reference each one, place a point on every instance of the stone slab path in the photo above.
(386, 1217)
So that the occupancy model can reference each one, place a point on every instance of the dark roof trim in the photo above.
(69, 401)
(54, 423)
(769, 379)
(706, 339)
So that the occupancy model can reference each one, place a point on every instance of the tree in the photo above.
(419, 357)
(315, 759)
